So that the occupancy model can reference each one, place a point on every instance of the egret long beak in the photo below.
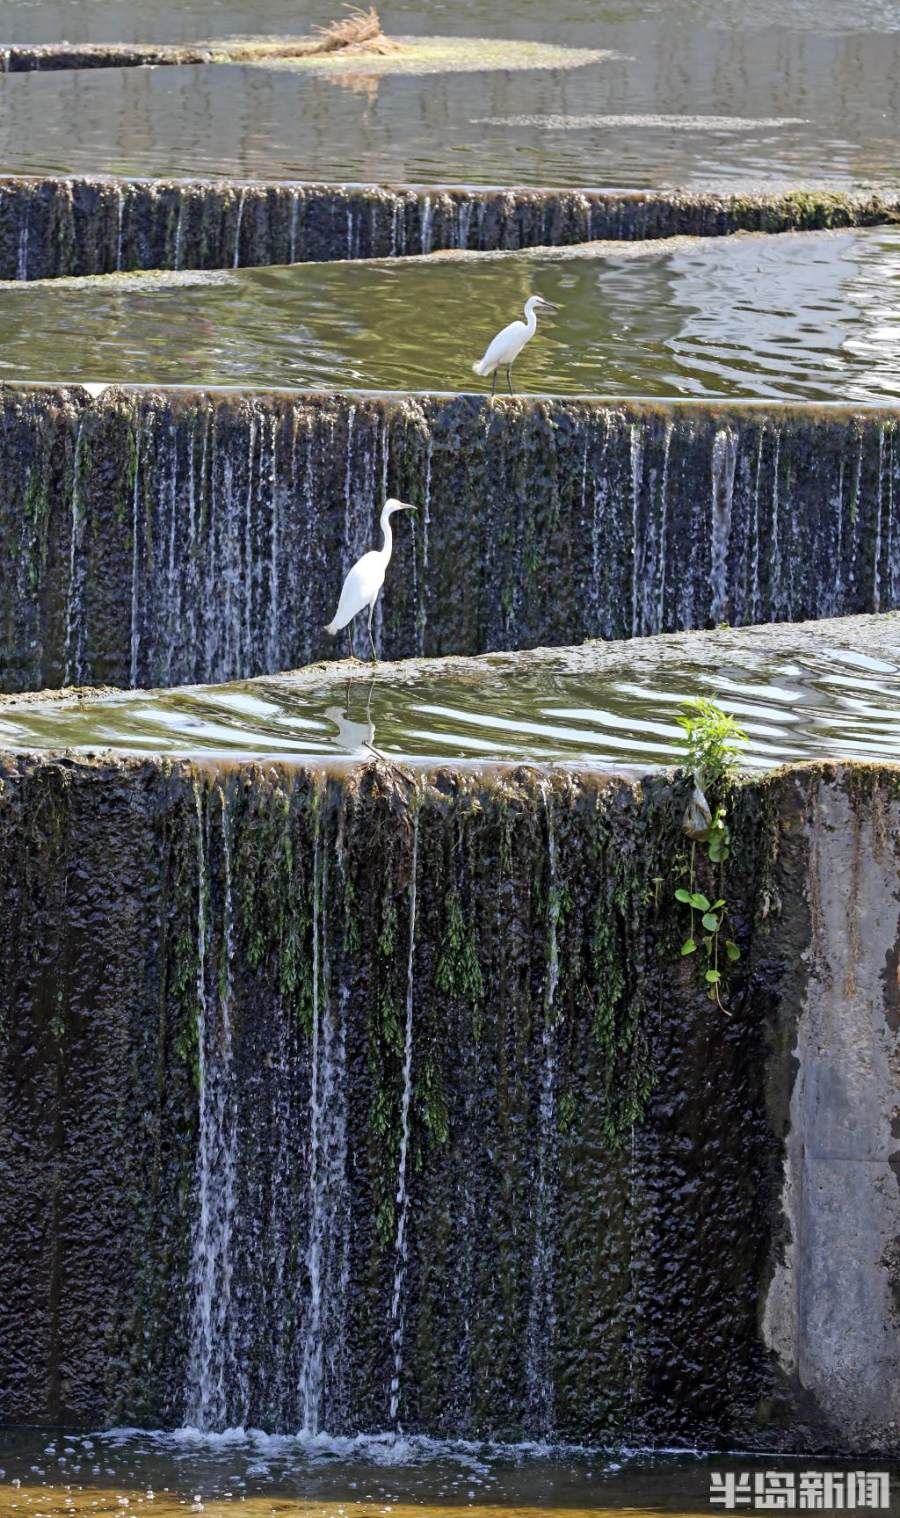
(549, 305)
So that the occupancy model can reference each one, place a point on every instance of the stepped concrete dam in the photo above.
(456, 1062)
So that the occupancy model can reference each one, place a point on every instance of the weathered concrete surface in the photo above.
(832, 1314)
(52, 226)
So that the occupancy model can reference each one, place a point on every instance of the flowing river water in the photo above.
(806, 316)
(799, 694)
(699, 94)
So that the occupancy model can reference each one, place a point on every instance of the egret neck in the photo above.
(387, 536)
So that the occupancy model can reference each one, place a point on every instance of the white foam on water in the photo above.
(669, 123)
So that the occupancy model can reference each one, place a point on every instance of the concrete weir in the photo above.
(171, 537)
(57, 226)
(246, 1007)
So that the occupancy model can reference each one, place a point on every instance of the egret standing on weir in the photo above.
(366, 578)
(508, 344)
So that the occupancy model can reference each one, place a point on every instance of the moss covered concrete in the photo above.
(171, 537)
(56, 226)
(595, 1152)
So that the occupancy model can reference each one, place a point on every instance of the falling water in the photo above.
(724, 463)
(888, 444)
(876, 557)
(670, 523)
(295, 213)
(271, 477)
(173, 580)
(72, 669)
(236, 261)
(662, 532)
(179, 234)
(120, 217)
(136, 555)
(754, 573)
(211, 1361)
(251, 560)
(311, 1372)
(422, 608)
(539, 1344)
(637, 470)
(427, 221)
(464, 218)
(22, 261)
(401, 1246)
(598, 532)
(774, 537)
(326, 1246)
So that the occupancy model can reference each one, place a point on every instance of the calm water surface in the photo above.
(810, 703)
(800, 316)
(815, 85)
(259, 1475)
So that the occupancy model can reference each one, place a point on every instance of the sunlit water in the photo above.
(261, 1476)
(815, 86)
(804, 316)
(797, 697)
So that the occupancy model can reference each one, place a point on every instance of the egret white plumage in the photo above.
(508, 344)
(365, 579)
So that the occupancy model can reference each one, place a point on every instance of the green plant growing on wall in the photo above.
(711, 740)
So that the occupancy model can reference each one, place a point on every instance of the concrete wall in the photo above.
(164, 537)
(434, 1048)
(52, 226)
(833, 1310)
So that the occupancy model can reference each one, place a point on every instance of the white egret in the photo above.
(366, 578)
(508, 344)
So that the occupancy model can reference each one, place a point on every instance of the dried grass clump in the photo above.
(359, 31)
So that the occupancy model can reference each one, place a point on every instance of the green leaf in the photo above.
(717, 904)
(700, 902)
(682, 895)
(713, 977)
(711, 922)
(732, 950)
(688, 947)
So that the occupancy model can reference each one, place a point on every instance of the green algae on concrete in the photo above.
(517, 1163)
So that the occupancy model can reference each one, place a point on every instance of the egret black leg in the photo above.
(494, 383)
(371, 639)
(509, 377)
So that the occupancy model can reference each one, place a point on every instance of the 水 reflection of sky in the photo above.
(833, 66)
(808, 703)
